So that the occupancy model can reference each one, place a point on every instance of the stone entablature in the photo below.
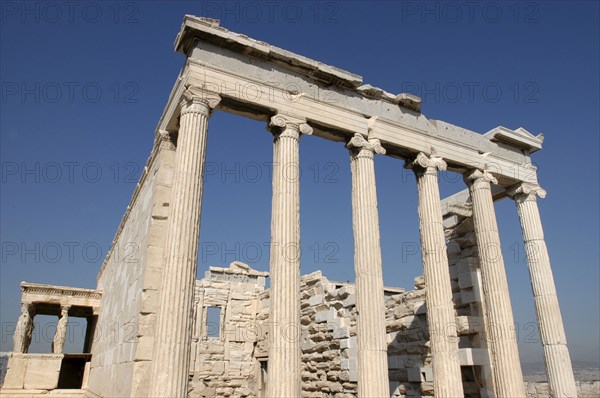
(61, 296)
(335, 103)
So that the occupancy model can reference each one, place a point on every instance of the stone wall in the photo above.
(130, 281)
(329, 345)
(31, 372)
(409, 360)
(463, 259)
(585, 389)
(3, 366)
(223, 361)
(328, 337)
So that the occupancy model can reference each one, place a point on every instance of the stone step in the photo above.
(62, 393)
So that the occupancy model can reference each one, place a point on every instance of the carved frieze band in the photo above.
(61, 292)
(36, 356)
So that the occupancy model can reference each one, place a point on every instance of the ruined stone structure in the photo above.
(227, 335)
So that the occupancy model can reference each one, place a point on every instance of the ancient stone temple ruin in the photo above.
(227, 334)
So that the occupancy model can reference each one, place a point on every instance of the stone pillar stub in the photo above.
(373, 381)
(559, 369)
(498, 315)
(171, 356)
(284, 350)
(441, 318)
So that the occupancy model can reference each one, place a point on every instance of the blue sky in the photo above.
(84, 83)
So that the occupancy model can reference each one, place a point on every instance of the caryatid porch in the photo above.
(297, 96)
(54, 369)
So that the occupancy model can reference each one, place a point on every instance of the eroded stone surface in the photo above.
(324, 338)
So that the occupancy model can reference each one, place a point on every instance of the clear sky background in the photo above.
(84, 84)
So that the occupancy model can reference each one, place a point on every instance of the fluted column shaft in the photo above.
(499, 316)
(284, 350)
(554, 341)
(373, 381)
(441, 318)
(170, 368)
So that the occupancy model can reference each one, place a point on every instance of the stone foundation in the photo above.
(585, 389)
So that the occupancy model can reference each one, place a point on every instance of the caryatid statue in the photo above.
(58, 342)
(23, 330)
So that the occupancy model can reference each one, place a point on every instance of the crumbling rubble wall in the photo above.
(235, 364)
(328, 337)
(329, 345)
(465, 275)
(223, 361)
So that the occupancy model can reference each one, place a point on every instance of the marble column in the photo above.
(23, 330)
(441, 317)
(284, 351)
(170, 367)
(554, 341)
(499, 317)
(60, 336)
(373, 379)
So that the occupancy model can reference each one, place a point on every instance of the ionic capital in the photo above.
(361, 147)
(196, 100)
(525, 190)
(283, 125)
(479, 176)
(427, 164)
(165, 138)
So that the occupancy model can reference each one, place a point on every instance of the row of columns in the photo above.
(24, 330)
(170, 367)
